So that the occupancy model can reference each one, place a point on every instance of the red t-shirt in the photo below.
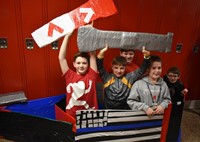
(80, 91)
(131, 67)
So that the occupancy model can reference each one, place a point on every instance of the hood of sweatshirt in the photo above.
(146, 79)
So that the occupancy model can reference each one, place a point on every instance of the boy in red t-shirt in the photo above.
(80, 85)
(128, 54)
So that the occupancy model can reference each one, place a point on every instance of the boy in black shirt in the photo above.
(176, 87)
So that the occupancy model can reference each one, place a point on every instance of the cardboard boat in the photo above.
(45, 120)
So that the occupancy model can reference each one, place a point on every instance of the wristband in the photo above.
(99, 56)
(147, 57)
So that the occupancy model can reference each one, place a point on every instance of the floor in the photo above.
(190, 125)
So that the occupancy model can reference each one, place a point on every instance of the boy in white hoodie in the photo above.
(151, 93)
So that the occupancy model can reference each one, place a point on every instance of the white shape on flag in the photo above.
(41, 35)
(89, 12)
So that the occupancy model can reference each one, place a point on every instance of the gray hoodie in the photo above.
(145, 94)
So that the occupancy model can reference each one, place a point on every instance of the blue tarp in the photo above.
(43, 107)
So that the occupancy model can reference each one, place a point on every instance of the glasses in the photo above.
(172, 75)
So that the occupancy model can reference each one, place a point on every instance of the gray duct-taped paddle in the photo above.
(91, 39)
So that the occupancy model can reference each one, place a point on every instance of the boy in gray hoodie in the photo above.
(150, 94)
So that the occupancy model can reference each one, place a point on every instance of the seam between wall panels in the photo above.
(20, 45)
(46, 52)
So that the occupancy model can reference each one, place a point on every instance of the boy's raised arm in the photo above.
(62, 54)
(145, 53)
(102, 52)
(93, 63)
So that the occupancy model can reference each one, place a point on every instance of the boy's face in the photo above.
(172, 77)
(155, 70)
(81, 65)
(129, 55)
(118, 70)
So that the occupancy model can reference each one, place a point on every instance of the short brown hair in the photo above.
(174, 70)
(119, 60)
(82, 54)
(154, 58)
(127, 50)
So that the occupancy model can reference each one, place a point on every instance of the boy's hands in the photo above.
(92, 53)
(90, 24)
(67, 36)
(150, 111)
(156, 110)
(145, 53)
(102, 52)
(184, 91)
(159, 110)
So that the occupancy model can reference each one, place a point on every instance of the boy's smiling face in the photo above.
(155, 70)
(129, 55)
(118, 70)
(81, 64)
